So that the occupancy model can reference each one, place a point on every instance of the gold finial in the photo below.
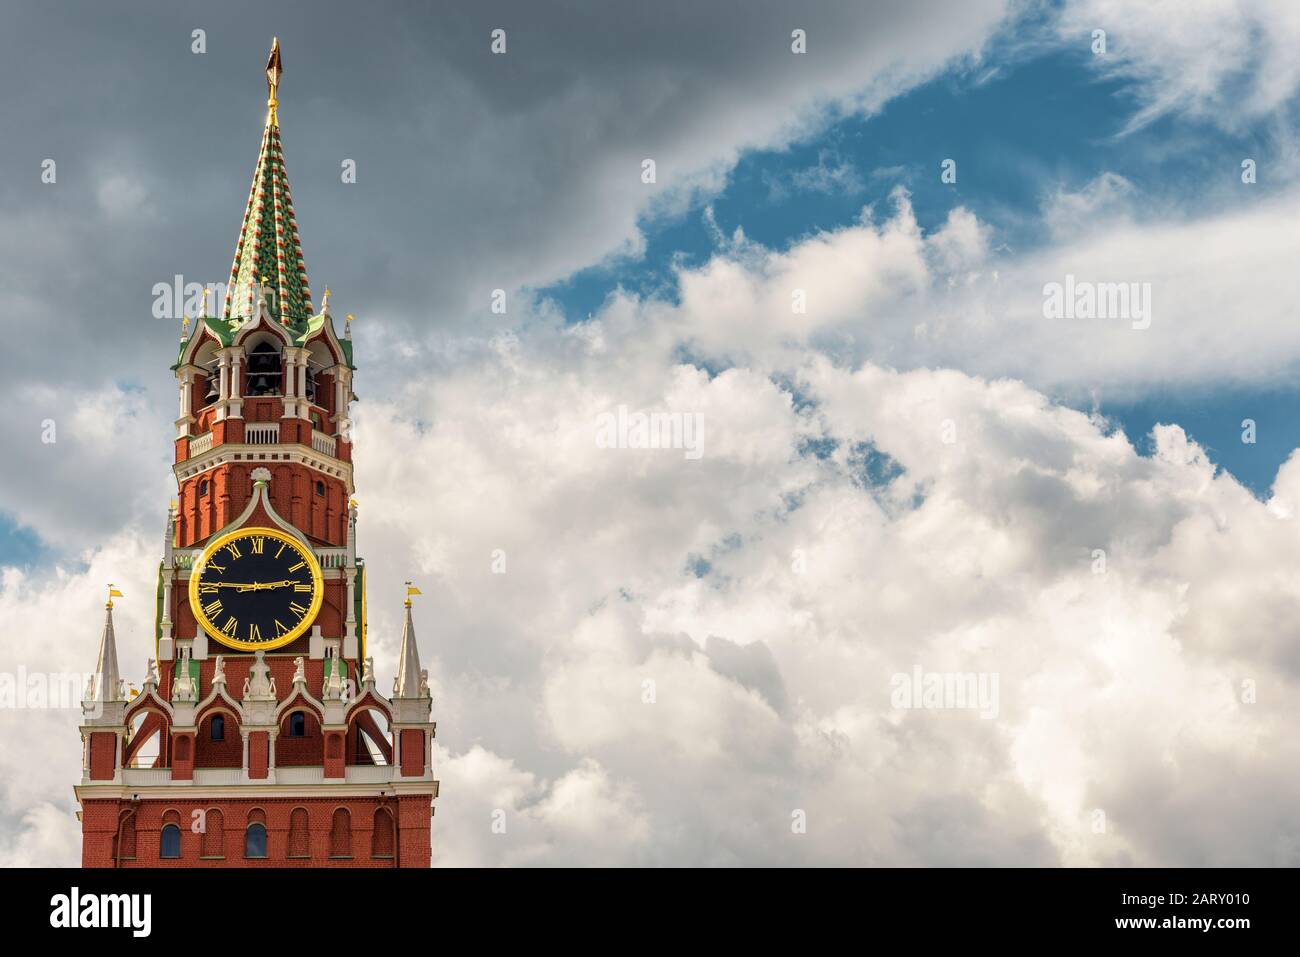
(204, 313)
(273, 71)
(325, 303)
(411, 590)
(185, 328)
(112, 593)
(347, 327)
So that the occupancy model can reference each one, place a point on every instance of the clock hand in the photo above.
(252, 586)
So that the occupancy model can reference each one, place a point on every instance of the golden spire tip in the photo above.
(274, 69)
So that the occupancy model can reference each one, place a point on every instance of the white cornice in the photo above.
(254, 790)
(258, 455)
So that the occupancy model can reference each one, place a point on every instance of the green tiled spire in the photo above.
(269, 249)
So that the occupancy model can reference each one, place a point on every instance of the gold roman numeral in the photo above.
(215, 567)
(207, 588)
(229, 627)
(301, 587)
(294, 568)
(254, 633)
(212, 608)
(297, 609)
(233, 548)
(258, 544)
(283, 546)
(280, 629)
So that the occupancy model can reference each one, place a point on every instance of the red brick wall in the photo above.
(415, 844)
(182, 756)
(307, 750)
(336, 754)
(412, 752)
(413, 849)
(258, 754)
(226, 753)
(103, 755)
(292, 493)
(98, 829)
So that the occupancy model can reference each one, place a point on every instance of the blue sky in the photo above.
(1019, 131)
(1021, 123)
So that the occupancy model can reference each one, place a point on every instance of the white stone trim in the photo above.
(255, 454)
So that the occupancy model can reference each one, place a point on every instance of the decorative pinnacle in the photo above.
(185, 328)
(112, 593)
(411, 590)
(273, 71)
(347, 327)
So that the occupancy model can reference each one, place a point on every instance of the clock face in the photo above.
(256, 588)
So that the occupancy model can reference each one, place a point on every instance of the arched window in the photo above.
(213, 376)
(299, 836)
(171, 841)
(255, 834)
(214, 833)
(255, 841)
(203, 487)
(297, 725)
(341, 834)
(218, 727)
(320, 489)
(264, 370)
(381, 843)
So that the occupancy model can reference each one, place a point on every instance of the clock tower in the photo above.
(259, 736)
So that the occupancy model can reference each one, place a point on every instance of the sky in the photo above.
(903, 460)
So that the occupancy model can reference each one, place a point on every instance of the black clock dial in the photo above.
(256, 588)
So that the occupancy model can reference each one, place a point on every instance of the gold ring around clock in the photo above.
(252, 531)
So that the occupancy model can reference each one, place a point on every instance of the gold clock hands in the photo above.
(251, 586)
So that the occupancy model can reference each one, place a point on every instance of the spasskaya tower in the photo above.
(259, 736)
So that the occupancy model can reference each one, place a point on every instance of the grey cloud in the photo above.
(751, 666)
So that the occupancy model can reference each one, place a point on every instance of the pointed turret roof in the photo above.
(106, 684)
(408, 680)
(269, 248)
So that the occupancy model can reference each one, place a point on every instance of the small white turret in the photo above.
(106, 693)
